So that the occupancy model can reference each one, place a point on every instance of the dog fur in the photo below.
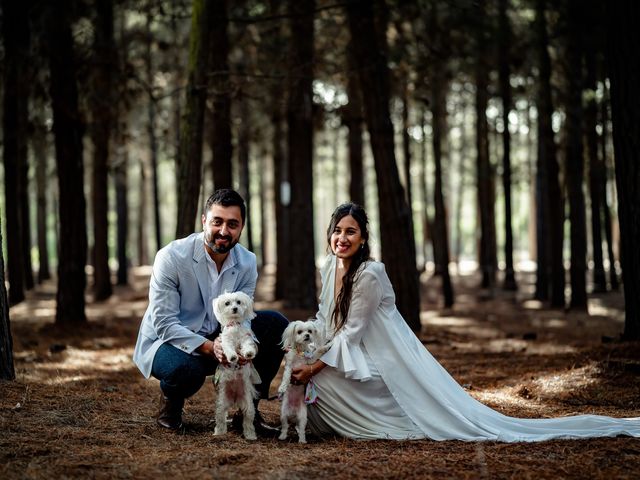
(235, 382)
(303, 344)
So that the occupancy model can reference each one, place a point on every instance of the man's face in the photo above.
(222, 227)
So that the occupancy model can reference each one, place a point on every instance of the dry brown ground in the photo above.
(80, 409)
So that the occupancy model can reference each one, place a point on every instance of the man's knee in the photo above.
(269, 325)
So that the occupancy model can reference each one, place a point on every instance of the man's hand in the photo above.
(207, 348)
(218, 352)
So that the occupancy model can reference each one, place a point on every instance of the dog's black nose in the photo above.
(235, 309)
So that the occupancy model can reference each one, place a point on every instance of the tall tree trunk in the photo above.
(301, 284)
(122, 209)
(24, 189)
(22, 159)
(143, 249)
(406, 138)
(624, 72)
(394, 210)
(353, 120)
(16, 43)
(189, 162)
(575, 160)
(486, 200)
(121, 163)
(102, 101)
(244, 145)
(505, 90)
(427, 224)
(613, 274)
(68, 131)
(221, 147)
(550, 203)
(264, 185)
(596, 170)
(40, 153)
(7, 371)
(151, 131)
(457, 249)
(438, 109)
(281, 188)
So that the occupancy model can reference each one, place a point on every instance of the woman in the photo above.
(379, 381)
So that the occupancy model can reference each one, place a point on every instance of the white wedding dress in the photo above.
(381, 382)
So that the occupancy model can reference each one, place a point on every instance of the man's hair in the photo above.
(227, 198)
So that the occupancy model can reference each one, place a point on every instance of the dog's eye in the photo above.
(227, 303)
(238, 302)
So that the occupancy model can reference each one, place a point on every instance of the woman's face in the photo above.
(346, 237)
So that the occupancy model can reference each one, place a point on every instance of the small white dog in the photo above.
(235, 383)
(304, 345)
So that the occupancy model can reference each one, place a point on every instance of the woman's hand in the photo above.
(302, 375)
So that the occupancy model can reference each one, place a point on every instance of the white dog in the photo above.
(235, 382)
(304, 345)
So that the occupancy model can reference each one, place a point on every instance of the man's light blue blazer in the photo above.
(179, 298)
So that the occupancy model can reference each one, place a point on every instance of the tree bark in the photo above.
(438, 109)
(244, 146)
(352, 118)
(280, 163)
(122, 212)
(486, 196)
(406, 139)
(427, 224)
(142, 244)
(505, 90)
(613, 274)
(40, 152)
(102, 101)
(550, 203)
(624, 73)
(7, 371)
(189, 161)
(596, 169)
(221, 145)
(575, 160)
(301, 284)
(394, 210)
(16, 42)
(151, 131)
(68, 131)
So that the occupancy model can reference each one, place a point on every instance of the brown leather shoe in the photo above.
(170, 414)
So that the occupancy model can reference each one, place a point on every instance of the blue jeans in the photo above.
(181, 374)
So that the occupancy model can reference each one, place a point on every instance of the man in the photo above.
(178, 341)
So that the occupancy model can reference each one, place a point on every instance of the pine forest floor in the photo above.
(79, 408)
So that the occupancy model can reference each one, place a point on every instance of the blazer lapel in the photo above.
(200, 270)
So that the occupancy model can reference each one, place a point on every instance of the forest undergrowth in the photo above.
(79, 408)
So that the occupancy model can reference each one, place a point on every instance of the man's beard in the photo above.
(211, 243)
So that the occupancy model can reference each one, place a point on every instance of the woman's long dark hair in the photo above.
(341, 310)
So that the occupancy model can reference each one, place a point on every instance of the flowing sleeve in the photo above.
(346, 354)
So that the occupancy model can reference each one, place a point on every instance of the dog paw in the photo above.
(283, 436)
